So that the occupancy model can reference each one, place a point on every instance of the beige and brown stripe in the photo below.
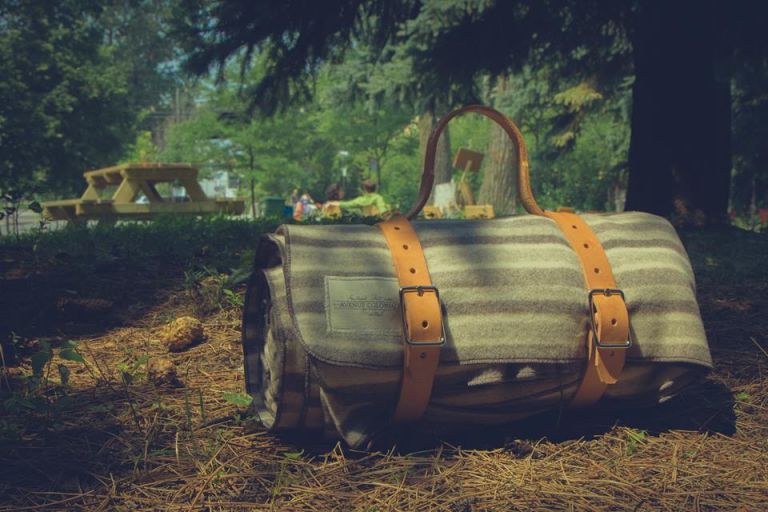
(515, 313)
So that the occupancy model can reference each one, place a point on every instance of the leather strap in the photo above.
(609, 316)
(423, 332)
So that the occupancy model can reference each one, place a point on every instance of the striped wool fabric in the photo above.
(323, 342)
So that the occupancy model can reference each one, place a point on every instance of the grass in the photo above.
(108, 438)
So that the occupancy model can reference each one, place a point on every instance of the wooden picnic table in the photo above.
(130, 182)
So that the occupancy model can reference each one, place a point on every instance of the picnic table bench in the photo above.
(132, 181)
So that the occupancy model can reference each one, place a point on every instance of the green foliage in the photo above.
(750, 109)
(40, 360)
(293, 455)
(37, 400)
(280, 153)
(577, 135)
(69, 352)
(143, 150)
(578, 97)
(372, 74)
(84, 83)
(133, 369)
(213, 291)
(63, 374)
(595, 166)
(77, 80)
(239, 400)
(143, 244)
(635, 439)
(233, 298)
(401, 171)
(424, 52)
(299, 148)
(741, 396)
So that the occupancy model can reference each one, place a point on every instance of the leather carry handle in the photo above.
(524, 191)
(606, 359)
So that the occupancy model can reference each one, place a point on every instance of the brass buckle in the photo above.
(606, 292)
(420, 290)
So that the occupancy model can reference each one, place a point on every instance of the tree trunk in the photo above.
(499, 187)
(680, 146)
(443, 160)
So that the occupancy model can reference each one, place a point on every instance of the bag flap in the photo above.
(512, 290)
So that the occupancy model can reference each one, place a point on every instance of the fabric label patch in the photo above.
(363, 305)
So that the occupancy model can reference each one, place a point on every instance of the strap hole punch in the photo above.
(425, 324)
(413, 270)
(405, 246)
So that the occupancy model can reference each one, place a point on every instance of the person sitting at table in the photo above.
(370, 203)
(333, 194)
(304, 208)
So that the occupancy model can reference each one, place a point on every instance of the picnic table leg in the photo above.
(90, 193)
(126, 192)
(149, 191)
(194, 190)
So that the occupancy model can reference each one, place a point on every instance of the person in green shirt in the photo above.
(370, 203)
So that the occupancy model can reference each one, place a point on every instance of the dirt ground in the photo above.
(112, 439)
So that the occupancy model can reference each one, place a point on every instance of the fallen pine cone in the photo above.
(182, 333)
(162, 372)
(78, 307)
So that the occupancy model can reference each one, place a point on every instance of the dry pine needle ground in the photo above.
(137, 446)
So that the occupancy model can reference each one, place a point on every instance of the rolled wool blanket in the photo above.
(323, 338)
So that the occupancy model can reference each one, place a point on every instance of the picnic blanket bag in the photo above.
(351, 329)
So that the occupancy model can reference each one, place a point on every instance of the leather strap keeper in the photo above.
(423, 333)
